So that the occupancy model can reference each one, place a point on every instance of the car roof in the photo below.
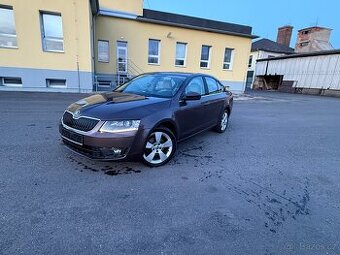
(179, 73)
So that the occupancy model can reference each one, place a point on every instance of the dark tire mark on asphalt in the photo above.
(111, 170)
(277, 208)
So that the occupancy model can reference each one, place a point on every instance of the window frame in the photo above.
(205, 90)
(9, 7)
(155, 56)
(250, 61)
(209, 57)
(43, 37)
(108, 51)
(3, 83)
(48, 83)
(231, 63)
(185, 54)
(218, 84)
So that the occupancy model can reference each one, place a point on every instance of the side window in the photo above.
(196, 85)
(213, 86)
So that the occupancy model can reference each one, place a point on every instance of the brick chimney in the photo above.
(284, 35)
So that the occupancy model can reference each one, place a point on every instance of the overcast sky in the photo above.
(264, 16)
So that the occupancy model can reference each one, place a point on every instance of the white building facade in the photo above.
(310, 73)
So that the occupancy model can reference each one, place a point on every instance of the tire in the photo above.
(223, 122)
(159, 148)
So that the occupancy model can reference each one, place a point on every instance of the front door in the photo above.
(250, 76)
(122, 57)
(192, 115)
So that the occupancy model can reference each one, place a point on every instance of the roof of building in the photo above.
(303, 55)
(314, 27)
(172, 19)
(271, 46)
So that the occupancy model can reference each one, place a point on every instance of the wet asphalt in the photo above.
(270, 185)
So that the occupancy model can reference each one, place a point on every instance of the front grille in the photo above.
(71, 135)
(82, 124)
(95, 152)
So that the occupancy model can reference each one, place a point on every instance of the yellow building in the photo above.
(46, 45)
(85, 45)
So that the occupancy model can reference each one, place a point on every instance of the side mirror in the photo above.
(225, 88)
(192, 96)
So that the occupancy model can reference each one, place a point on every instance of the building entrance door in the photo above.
(122, 57)
(250, 76)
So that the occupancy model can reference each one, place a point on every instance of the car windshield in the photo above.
(153, 85)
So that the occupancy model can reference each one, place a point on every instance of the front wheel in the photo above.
(159, 147)
(223, 122)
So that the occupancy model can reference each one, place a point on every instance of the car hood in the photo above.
(118, 106)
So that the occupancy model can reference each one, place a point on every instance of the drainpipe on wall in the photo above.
(78, 72)
(77, 42)
(93, 49)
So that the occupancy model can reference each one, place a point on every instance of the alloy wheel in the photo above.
(158, 148)
(224, 121)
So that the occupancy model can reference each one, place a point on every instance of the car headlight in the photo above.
(120, 126)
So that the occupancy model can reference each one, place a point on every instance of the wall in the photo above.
(317, 39)
(255, 55)
(314, 72)
(137, 34)
(259, 55)
(34, 65)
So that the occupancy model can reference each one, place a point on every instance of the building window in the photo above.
(103, 83)
(306, 32)
(181, 54)
(56, 83)
(205, 56)
(8, 35)
(103, 51)
(52, 32)
(250, 62)
(11, 81)
(228, 59)
(154, 52)
(303, 44)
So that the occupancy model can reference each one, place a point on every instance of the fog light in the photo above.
(117, 151)
(111, 152)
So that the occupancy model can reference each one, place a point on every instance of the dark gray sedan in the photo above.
(145, 118)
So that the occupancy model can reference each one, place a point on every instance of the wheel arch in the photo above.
(169, 124)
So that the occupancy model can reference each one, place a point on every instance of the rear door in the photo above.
(192, 116)
(214, 101)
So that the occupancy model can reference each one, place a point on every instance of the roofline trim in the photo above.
(160, 22)
(308, 28)
(117, 14)
(303, 55)
(273, 51)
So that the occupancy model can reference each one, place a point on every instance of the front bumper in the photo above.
(103, 146)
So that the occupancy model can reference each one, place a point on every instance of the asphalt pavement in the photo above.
(270, 185)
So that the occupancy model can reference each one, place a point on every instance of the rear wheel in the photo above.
(159, 147)
(223, 122)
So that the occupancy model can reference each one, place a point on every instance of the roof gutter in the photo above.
(94, 6)
(302, 55)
